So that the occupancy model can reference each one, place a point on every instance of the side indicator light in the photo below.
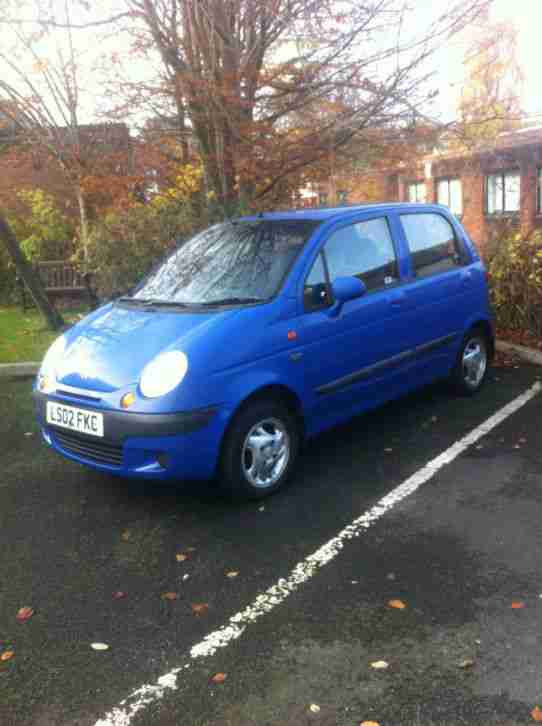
(292, 335)
(127, 400)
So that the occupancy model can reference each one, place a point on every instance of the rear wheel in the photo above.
(260, 450)
(472, 363)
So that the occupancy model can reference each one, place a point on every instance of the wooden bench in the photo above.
(62, 279)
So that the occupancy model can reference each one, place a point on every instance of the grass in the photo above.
(24, 336)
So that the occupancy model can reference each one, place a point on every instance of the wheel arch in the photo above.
(487, 328)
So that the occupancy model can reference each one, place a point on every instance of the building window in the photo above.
(322, 198)
(450, 193)
(417, 192)
(503, 192)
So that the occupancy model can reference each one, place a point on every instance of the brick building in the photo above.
(498, 185)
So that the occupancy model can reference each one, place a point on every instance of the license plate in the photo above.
(76, 419)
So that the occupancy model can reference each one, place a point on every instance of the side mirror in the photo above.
(347, 288)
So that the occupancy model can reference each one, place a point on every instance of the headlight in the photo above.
(47, 372)
(163, 374)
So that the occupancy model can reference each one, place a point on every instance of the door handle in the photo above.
(466, 277)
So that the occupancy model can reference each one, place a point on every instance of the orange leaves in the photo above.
(24, 614)
(517, 605)
(200, 608)
(7, 655)
(397, 604)
(219, 678)
(169, 596)
(181, 557)
(369, 723)
(536, 713)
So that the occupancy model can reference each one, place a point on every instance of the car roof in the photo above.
(321, 214)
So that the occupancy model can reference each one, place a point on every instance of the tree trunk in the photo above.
(83, 219)
(32, 281)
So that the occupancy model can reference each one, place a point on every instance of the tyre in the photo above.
(260, 450)
(470, 370)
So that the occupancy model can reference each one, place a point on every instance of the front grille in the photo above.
(89, 448)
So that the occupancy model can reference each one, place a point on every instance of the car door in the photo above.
(347, 355)
(441, 287)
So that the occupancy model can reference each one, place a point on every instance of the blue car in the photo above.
(261, 332)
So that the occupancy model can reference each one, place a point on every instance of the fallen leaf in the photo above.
(169, 596)
(7, 655)
(99, 646)
(314, 708)
(125, 536)
(219, 678)
(467, 663)
(369, 723)
(232, 574)
(200, 608)
(379, 665)
(517, 605)
(180, 557)
(119, 595)
(24, 614)
(397, 604)
(536, 713)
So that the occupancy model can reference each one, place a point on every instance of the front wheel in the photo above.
(470, 370)
(260, 450)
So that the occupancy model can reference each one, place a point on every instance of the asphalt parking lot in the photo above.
(461, 554)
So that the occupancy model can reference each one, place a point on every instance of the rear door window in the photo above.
(432, 243)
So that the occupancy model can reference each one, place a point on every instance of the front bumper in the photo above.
(183, 445)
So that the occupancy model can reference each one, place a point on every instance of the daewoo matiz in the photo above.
(261, 332)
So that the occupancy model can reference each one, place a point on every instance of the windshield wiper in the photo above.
(231, 301)
(151, 303)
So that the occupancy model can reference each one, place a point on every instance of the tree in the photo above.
(491, 95)
(40, 92)
(31, 279)
(252, 76)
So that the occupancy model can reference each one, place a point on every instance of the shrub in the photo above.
(43, 231)
(124, 245)
(515, 266)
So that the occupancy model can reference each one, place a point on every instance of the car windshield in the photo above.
(230, 263)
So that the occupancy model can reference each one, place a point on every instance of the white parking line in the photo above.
(303, 571)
